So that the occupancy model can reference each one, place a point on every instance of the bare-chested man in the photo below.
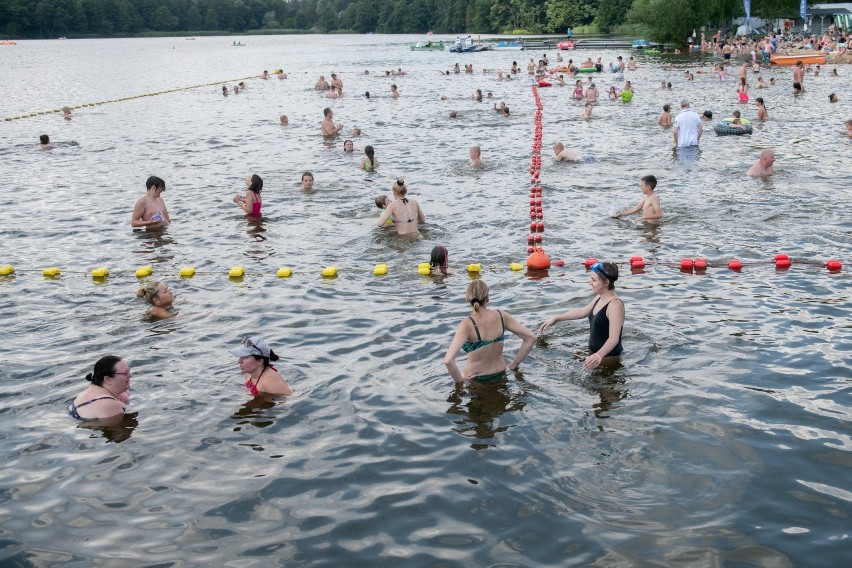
(650, 203)
(328, 126)
(763, 167)
(150, 211)
(321, 84)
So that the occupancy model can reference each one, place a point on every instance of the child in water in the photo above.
(649, 205)
(382, 203)
(160, 297)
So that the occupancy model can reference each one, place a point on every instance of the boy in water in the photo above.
(649, 205)
(665, 119)
(476, 157)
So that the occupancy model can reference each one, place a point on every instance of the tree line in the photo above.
(661, 20)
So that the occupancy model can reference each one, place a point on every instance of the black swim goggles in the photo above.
(599, 268)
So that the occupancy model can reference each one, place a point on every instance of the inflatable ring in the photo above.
(562, 69)
(725, 129)
(544, 83)
(588, 69)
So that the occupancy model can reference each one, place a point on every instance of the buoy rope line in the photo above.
(175, 90)
(636, 264)
(538, 259)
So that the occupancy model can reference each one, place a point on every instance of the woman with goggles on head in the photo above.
(261, 377)
(605, 314)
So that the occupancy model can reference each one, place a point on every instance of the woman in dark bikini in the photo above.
(481, 336)
(605, 314)
(108, 394)
(260, 375)
(406, 212)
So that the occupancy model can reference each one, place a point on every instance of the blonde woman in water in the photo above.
(481, 335)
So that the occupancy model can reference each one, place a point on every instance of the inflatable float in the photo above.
(725, 128)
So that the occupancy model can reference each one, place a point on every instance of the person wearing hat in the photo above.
(605, 314)
(261, 376)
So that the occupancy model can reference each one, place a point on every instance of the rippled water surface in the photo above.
(721, 439)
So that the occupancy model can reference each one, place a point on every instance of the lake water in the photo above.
(723, 438)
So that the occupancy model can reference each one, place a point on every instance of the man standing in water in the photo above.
(763, 167)
(328, 126)
(687, 126)
(150, 211)
(799, 76)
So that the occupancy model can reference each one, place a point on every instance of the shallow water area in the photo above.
(722, 437)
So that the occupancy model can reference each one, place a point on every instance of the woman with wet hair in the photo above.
(261, 376)
(369, 162)
(108, 394)
(406, 212)
(251, 203)
(160, 296)
(438, 261)
(605, 314)
(481, 335)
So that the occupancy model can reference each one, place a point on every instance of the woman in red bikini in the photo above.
(261, 377)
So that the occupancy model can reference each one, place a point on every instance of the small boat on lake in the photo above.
(428, 46)
(566, 44)
(807, 59)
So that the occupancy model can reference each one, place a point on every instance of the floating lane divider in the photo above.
(238, 272)
(537, 259)
(122, 99)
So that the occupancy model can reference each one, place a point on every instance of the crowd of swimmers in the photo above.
(480, 335)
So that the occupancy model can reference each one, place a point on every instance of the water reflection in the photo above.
(486, 403)
(256, 228)
(609, 384)
(150, 240)
(253, 413)
(687, 155)
(116, 431)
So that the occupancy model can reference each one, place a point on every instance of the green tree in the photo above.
(193, 20)
(328, 17)
(670, 20)
(164, 20)
(612, 13)
(564, 14)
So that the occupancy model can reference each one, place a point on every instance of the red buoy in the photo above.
(834, 265)
(537, 237)
(637, 263)
(783, 263)
(635, 258)
(533, 226)
(559, 263)
(735, 264)
(530, 249)
(540, 226)
(781, 257)
(538, 260)
(590, 261)
(700, 264)
(686, 264)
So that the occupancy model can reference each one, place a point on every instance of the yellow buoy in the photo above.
(424, 268)
(52, 272)
(237, 272)
(380, 269)
(144, 271)
(516, 266)
(285, 272)
(329, 271)
(474, 267)
(6, 270)
(187, 272)
(101, 272)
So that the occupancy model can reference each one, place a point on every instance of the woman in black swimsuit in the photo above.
(108, 394)
(605, 314)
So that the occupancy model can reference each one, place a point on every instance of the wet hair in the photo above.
(345, 142)
(367, 95)
(832, 98)
(309, 174)
(149, 291)
(708, 114)
(667, 108)
(370, 153)
(399, 187)
(610, 271)
(381, 200)
(736, 114)
(453, 114)
(439, 257)
(477, 149)
(256, 183)
(326, 111)
(224, 89)
(44, 139)
(266, 360)
(156, 182)
(505, 111)
(651, 181)
(760, 100)
(105, 367)
(393, 87)
(477, 294)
